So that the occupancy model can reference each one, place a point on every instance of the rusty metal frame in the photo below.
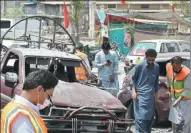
(39, 41)
(76, 123)
(113, 116)
(85, 116)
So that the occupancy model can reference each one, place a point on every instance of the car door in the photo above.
(12, 63)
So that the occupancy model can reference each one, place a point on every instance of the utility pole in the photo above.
(92, 8)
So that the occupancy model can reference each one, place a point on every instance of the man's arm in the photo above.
(187, 82)
(186, 90)
(135, 76)
(22, 125)
(187, 85)
(97, 62)
(134, 81)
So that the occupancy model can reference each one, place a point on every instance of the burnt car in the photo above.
(162, 104)
(76, 106)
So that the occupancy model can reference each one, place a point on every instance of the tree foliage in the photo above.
(77, 7)
(13, 12)
(184, 6)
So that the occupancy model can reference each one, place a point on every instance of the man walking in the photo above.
(179, 79)
(145, 87)
(81, 73)
(107, 63)
(22, 114)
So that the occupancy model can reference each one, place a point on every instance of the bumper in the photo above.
(81, 120)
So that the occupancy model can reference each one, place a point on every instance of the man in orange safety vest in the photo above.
(178, 77)
(22, 115)
(81, 73)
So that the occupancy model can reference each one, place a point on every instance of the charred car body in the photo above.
(76, 106)
(162, 104)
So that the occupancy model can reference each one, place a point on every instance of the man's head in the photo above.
(80, 47)
(177, 63)
(40, 84)
(151, 55)
(106, 47)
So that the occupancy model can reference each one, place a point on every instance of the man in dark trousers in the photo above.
(145, 87)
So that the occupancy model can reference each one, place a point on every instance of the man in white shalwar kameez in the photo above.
(107, 63)
(180, 108)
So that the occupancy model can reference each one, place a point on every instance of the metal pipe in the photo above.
(54, 32)
(105, 110)
(57, 40)
(37, 16)
(39, 39)
(86, 110)
(104, 122)
(3, 96)
(31, 41)
(66, 130)
(26, 25)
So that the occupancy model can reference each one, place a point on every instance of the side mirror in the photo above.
(10, 79)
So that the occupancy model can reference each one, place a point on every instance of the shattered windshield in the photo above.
(63, 69)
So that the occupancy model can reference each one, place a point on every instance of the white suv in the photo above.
(136, 54)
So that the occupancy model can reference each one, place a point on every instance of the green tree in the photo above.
(13, 12)
(184, 6)
(77, 7)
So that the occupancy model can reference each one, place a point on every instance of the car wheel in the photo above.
(155, 119)
(3, 51)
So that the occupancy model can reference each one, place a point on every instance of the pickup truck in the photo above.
(79, 107)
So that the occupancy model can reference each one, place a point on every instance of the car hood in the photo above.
(78, 95)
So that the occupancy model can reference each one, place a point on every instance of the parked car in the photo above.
(73, 101)
(162, 104)
(137, 53)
